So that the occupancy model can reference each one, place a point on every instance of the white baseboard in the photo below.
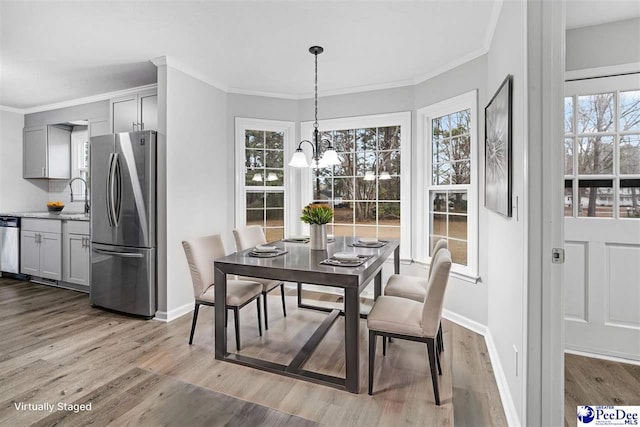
(173, 314)
(463, 321)
(602, 356)
(501, 380)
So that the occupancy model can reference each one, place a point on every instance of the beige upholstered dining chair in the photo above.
(201, 252)
(414, 288)
(402, 318)
(249, 237)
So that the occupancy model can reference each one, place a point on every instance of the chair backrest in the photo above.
(249, 237)
(440, 244)
(201, 252)
(434, 300)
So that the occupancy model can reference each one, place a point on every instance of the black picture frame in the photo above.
(498, 164)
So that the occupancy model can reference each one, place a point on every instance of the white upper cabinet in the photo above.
(47, 152)
(135, 112)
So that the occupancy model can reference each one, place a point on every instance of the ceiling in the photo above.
(582, 13)
(55, 51)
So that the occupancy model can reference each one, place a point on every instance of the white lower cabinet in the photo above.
(76, 255)
(41, 248)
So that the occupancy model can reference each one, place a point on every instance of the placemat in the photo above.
(267, 254)
(346, 263)
(378, 244)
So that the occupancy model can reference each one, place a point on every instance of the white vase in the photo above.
(318, 237)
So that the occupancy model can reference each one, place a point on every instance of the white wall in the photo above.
(504, 246)
(196, 175)
(16, 193)
(614, 43)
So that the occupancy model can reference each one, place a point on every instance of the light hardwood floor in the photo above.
(55, 348)
(590, 381)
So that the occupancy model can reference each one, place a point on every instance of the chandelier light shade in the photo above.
(369, 176)
(272, 176)
(319, 160)
(384, 175)
(257, 177)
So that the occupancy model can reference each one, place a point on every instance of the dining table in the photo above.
(297, 263)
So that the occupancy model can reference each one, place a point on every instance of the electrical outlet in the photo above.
(515, 350)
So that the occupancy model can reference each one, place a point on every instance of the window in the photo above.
(449, 208)
(260, 174)
(602, 149)
(79, 160)
(365, 188)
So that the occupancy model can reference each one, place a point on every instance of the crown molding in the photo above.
(11, 109)
(81, 101)
(493, 23)
(171, 62)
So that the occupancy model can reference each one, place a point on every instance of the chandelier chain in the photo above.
(315, 124)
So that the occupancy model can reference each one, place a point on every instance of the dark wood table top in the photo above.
(300, 264)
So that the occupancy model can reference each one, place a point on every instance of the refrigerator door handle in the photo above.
(120, 254)
(111, 193)
(118, 186)
(108, 192)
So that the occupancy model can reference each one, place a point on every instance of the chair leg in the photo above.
(438, 360)
(284, 306)
(440, 340)
(226, 319)
(236, 318)
(266, 318)
(432, 365)
(259, 316)
(372, 359)
(299, 294)
(384, 345)
(193, 322)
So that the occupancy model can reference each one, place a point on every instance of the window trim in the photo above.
(402, 119)
(243, 124)
(468, 100)
(77, 144)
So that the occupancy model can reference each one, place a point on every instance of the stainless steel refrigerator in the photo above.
(123, 222)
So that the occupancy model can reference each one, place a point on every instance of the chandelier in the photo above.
(329, 157)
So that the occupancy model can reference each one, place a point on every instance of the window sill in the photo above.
(466, 277)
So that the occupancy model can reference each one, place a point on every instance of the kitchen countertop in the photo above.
(73, 216)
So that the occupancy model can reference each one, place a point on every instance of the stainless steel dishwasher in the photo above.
(10, 244)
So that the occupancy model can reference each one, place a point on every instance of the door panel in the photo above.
(29, 253)
(77, 260)
(100, 148)
(35, 152)
(136, 205)
(123, 279)
(51, 256)
(149, 111)
(123, 113)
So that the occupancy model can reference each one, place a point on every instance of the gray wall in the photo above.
(93, 110)
(16, 193)
(505, 246)
(196, 176)
(463, 298)
(614, 43)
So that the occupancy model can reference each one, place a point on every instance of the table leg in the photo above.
(396, 260)
(377, 285)
(220, 288)
(352, 339)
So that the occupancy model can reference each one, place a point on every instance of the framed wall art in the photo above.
(498, 163)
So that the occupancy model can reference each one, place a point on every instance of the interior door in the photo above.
(602, 216)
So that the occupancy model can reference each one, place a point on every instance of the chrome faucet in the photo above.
(86, 193)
